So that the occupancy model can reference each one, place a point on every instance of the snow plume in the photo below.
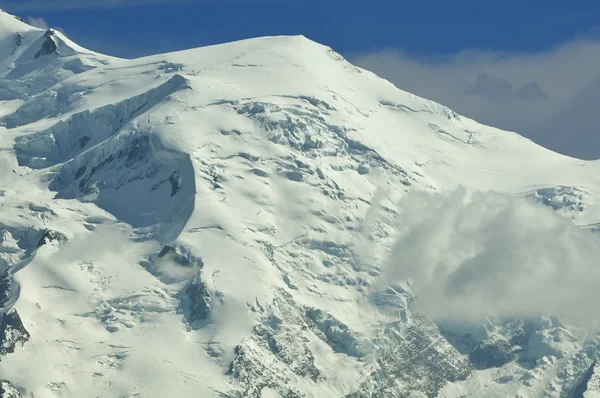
(37, 22)
(471, 255)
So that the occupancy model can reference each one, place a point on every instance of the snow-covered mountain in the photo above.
(231, 221)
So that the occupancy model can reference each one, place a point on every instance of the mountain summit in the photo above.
(220, 222)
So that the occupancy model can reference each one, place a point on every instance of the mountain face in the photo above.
(217, 223)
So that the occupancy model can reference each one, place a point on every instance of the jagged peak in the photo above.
(49, 46)
(13, 28)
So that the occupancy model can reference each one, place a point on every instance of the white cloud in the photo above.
(548, 96)
(474, 255)
(37, 22)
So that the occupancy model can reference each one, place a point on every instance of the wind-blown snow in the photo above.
(246, 220)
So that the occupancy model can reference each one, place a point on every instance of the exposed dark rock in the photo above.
(4, 288)
(492, 354)
(363, 169)
(259, 172)
(411, 353)
(180, 256)
(229, 132)
(80, 172)
(12, 332)
(335, 333)
(196, 300)
(175, 181)
(215, 181)
(254, 376)
(277, 351)
(248, 156)
(7, 390)
(582, 385)
(49, 46)
(137, 150)
(168, 249)
(288, 282)
(51, 236)
(280, 340)
(507, 343)
(19, 40)
(295, 176)
(83, 141)
(414, 354)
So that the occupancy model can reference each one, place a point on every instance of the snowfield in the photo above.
(263, 219)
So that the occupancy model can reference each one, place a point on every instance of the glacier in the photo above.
(263, 219)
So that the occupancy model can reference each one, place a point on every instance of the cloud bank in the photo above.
(474, 255)
(550, 97)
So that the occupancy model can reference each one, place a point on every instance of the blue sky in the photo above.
(137, 27)
(525, 66)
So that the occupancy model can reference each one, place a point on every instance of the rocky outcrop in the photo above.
(51, 236)
(277, 354)
(7, 390)
(19, 41)
(412, 355)
(4, 288)
(492, 354)
(49, 46)
(582, 386)
(410, 351)
(196, 301)
(333, 332)
(12, 332)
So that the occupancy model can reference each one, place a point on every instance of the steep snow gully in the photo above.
(263, 219)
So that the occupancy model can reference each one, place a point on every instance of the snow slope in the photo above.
(219, 222)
